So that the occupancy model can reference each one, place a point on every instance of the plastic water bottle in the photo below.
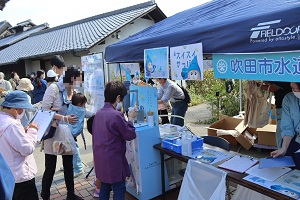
(186, 145)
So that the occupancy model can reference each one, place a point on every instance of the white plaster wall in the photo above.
(32, 66)
(130, 29)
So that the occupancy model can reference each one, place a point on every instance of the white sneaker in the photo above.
(78, 174)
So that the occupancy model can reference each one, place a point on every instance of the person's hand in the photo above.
(33, 125)
(278, 152)
(72, 119)
(169, 107)
(132, 114)
(26, 128)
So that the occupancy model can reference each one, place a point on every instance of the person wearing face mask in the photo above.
(40, 86)
(5, 87)
(170, 91)
(290, 126)
(110, 133)
(17, 144)
(56, 98)
(51, 77)
(14, 80)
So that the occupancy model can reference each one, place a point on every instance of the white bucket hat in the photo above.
(25, 85)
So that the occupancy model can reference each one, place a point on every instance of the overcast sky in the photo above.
(58, 12)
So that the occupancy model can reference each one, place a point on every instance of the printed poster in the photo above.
(156, 62)
(274, 186)
(92, 66)
(132, 156)
(209, 156)
(123, 69)
(187, 62)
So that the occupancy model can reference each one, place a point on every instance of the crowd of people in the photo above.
(22, 98)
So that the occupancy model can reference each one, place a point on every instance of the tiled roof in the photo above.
(76, 36)
(17, 37)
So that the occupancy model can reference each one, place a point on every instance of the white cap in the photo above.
(51, 74)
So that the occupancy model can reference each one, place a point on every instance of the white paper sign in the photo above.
(187, 62)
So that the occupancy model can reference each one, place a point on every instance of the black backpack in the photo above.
(187, 97)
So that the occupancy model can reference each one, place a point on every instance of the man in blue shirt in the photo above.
(169, 90)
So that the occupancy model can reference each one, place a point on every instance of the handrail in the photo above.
(173, 116)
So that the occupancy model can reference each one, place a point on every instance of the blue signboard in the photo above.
(268, 67)
(156, 62)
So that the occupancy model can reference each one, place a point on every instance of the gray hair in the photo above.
(1, 74)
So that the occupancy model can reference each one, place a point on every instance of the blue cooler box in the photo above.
(171, 144)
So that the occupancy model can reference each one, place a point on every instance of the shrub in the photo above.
(206, 90)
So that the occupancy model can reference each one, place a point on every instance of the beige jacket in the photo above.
(51, 101)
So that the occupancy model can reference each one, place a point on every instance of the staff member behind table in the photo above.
(110, 133)
(290, 125)
(169, 90)
(17, 145)
(280, 89)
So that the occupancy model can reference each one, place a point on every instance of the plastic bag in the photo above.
(63, 141)
(202, 182)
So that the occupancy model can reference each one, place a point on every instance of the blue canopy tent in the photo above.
(223, 26)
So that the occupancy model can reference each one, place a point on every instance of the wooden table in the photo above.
(231, 176)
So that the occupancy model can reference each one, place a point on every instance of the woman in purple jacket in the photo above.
(110, 133)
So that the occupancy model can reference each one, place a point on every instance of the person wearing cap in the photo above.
(56, 98)
(40, 86)
(51, 77)
(17, 144)
(5, 87)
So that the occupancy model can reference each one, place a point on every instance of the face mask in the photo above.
(297, 94)
(16, 77)
(32, 76)
(119, 106)
(56, 78)
(21, 115)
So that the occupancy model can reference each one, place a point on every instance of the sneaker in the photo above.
(78, 174)
(96, 193)
(73, 197)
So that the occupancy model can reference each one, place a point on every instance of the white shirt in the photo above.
(17, 147)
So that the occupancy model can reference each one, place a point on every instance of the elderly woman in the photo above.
(5, 87)
(290, 126)
(17, 145)
(110, 133)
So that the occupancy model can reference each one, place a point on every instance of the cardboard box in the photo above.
(267, 135)
(247, 135)
(226, 123)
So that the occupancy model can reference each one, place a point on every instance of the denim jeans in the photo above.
(178, 108)
(119, 190)
(77, 163)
